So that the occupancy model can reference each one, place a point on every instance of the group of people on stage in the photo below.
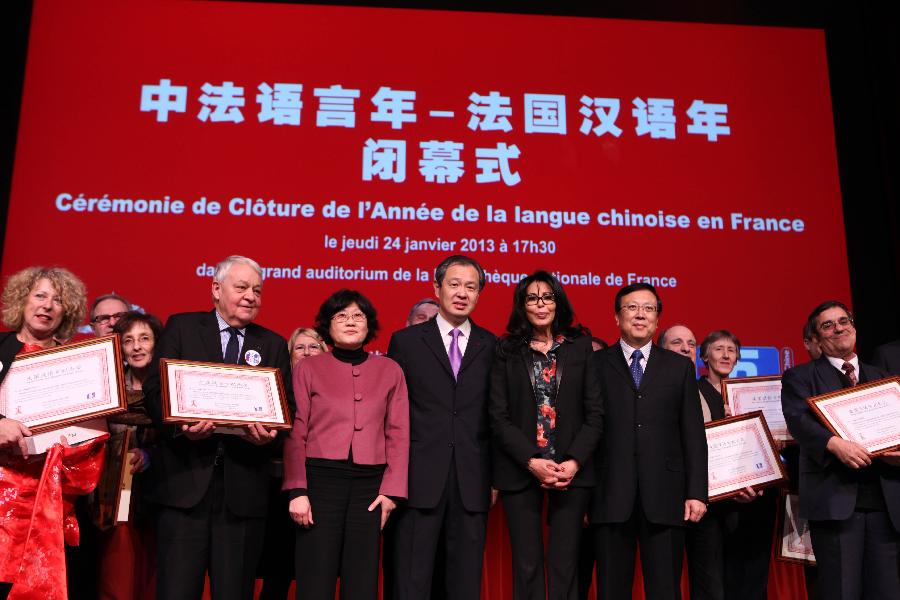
(417, 445)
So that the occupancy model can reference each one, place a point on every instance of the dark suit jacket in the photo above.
(182, 468)
(887, 358)
(828, 487)
(653, 449)
(513, 412)
(9, 347)
(448, 418)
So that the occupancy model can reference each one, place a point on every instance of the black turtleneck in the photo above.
(354, 357)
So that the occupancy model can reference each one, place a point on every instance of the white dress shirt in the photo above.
(445, 328)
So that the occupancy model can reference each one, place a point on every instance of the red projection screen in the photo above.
(356, 147)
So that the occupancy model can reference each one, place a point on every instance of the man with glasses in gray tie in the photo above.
(651, 460)
(212, 489)
(446, 361)
(850, 498)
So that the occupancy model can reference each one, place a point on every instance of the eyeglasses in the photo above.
(105, 318)
(308, 348)
(344, 317)
(532, 299)
(144, 341)
(631, 309)
(843, 322)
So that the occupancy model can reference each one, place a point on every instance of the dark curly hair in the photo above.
(519, 330)
(337, 302)
(132, 318)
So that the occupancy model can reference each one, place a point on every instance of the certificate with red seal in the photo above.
(868, 414)
(741, 454)
(226, 395)
(59, 387)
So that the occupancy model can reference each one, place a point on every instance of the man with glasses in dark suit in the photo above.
(850, 498)
(651, 460)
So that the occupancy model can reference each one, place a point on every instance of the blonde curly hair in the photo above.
(70, 289)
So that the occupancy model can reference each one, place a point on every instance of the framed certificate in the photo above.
(748, 394)
(112, 502)
(741, 453)
(227, 395)
(793, 542)
(58, 387)
(868, 414)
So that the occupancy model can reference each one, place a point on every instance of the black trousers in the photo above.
(857, 557)
(207, 537)
(662, 554)
(749, 530)
(344, 538)
(565, 516)
(706, 566)
(587, 560)
(417, 535)
(276, 565)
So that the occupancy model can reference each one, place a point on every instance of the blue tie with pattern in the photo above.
(636, 371)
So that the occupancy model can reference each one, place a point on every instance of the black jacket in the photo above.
(183, 468)
(513, 412)
(828, 488)
(9, 347)
(448, 418)
(653, 450)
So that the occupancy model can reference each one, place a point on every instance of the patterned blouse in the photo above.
(544, 370)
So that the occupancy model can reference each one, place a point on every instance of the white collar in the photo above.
(838, 363)
(445, 327)
(628, 350)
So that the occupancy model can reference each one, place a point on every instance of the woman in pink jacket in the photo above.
(345, 461)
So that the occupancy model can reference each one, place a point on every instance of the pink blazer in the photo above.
(340, 405)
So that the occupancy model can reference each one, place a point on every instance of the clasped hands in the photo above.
(255, 433)
(553, 475)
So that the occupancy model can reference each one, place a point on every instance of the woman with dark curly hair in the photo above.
(345, 462)
(546, 414)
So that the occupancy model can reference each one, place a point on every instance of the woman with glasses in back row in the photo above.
(546, 415)
(345, 462)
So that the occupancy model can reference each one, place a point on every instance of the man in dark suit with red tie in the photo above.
(212, 488)
(851, 499)
(446, 361)
(651, 461)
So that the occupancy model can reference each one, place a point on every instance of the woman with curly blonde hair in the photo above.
(42, 307)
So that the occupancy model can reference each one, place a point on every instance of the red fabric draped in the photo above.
(37, 516)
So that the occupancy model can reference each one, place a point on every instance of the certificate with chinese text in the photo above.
(741, 454)
(747, 394)
(868, 414)
(58, 387)
(224, 394)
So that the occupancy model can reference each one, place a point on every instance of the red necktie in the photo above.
(850, 370)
